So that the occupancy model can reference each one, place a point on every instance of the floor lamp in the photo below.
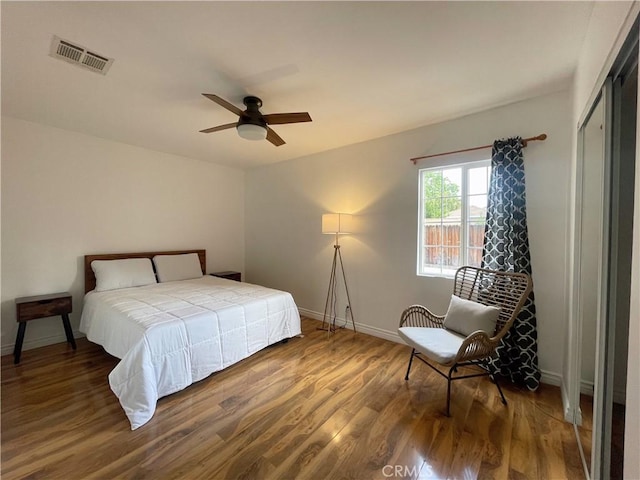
(336, 224)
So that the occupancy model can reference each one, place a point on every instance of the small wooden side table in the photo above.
(229, 275)
(41, 306)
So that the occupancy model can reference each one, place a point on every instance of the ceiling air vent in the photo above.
(79, 55)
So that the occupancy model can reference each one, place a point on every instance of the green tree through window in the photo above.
(453, 203)
(440, 194)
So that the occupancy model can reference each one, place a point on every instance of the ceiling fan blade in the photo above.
(223, 103)
(218, 128)
(281, 118)
(274, 138)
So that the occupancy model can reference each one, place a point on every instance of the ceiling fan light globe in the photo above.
(248, 131)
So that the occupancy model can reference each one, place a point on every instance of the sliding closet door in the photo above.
(623, 165)
(606, 178)
(591, 230)
(592, 222)
(603, 381)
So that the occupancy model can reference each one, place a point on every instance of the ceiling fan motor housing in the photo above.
(251, 125)
(252, 114)
(252, 102)
(252, 120)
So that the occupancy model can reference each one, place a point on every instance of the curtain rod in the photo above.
(542, 136)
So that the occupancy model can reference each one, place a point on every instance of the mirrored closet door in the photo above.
(606, 170)
(591, 257)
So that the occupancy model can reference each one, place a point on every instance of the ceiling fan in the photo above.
(252, 124)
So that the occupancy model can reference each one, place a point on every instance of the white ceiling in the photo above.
(361, 69)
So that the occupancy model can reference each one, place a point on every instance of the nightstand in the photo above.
(41, 306)
(229, 275)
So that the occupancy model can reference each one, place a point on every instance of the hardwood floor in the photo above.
(311, 408)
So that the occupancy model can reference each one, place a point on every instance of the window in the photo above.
(452, 211)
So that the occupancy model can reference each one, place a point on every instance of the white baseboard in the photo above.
(550, 378)
(360, 327)
(38, 342)
(619, 396)
(310, 314)
(546, 377)
(586, 388)
(572, 413)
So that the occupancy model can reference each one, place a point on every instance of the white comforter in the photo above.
(169, 335)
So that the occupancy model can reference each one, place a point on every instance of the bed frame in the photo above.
(90, 278)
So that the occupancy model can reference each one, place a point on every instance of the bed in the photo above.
(171, 334)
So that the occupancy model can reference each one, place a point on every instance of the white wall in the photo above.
(376, 181)
(66, 194)
(603, 32)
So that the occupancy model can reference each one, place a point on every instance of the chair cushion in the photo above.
(466, 317)
(438, 344)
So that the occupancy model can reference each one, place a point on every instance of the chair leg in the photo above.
(495, 380)
(451, 370)
(413, 351)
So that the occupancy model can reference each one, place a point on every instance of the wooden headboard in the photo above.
(90, 278)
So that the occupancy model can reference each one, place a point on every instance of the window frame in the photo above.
(464, 214)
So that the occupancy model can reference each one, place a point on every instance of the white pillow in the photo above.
(128, 272)
(465, 317)
(177, 267)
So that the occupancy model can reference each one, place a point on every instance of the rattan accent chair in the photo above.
(434, 343)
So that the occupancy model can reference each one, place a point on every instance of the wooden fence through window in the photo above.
(442, 245)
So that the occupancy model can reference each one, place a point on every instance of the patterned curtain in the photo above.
(506, 248)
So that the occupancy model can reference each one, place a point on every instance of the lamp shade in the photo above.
(250, 131)
(337, 223)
